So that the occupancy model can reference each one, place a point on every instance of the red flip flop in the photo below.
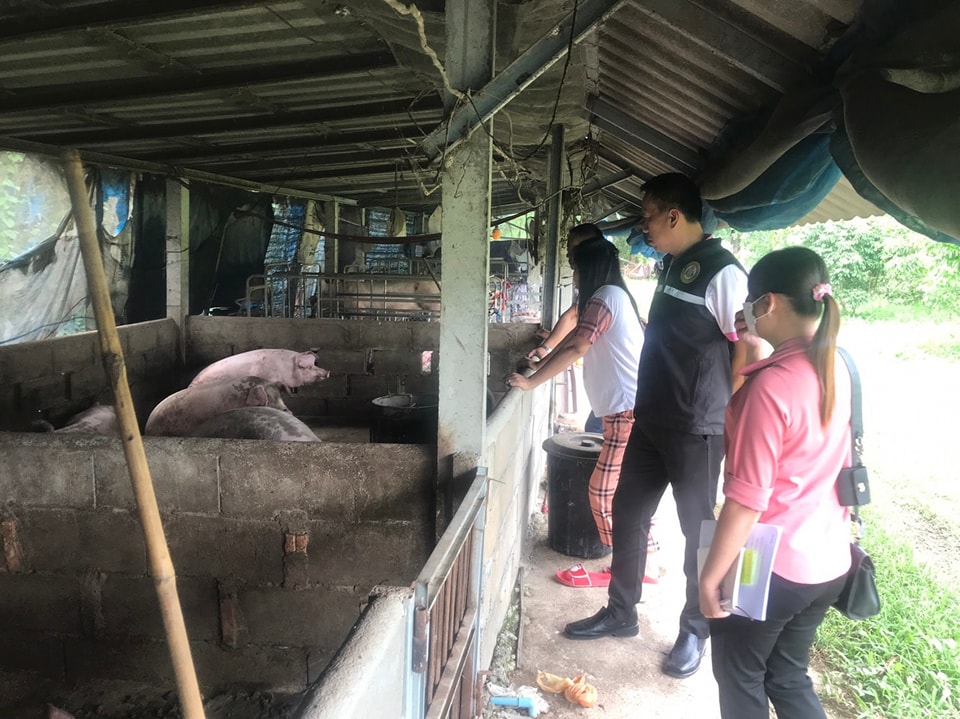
(577, 576)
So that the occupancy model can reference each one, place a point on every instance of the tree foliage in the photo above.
(874, 263)
(33, 202)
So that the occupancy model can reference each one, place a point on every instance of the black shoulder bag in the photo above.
(859, 598)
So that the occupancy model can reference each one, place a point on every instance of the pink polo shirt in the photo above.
(783, 463)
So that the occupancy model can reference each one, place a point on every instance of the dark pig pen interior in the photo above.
(276, 545)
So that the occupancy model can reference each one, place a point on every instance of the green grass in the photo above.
(904, 663)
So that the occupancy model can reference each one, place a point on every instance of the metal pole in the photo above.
(161, 567)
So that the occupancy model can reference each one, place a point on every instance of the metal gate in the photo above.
(446, 606)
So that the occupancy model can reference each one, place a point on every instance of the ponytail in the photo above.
(823, 353)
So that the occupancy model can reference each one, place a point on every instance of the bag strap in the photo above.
(856, 410)
(856, 423)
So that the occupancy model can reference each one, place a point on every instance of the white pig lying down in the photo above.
(99, 419)
(184, 411)
(256, 423)
(287, 368)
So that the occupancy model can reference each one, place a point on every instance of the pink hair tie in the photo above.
(819, 291)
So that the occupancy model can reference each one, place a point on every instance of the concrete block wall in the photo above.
(515, 462)
(366, 359)
(276, 548)
(56, 378)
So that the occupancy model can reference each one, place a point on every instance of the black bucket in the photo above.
(571, 528)
(405, 419)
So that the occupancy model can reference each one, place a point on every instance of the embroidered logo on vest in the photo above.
(690, 272)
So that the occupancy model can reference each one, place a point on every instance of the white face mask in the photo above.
(750, 318)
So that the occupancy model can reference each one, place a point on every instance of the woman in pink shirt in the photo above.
(787, 435)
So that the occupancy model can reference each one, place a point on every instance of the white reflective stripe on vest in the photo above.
(684, 296)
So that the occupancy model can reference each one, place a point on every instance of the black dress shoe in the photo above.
(601, 624)
(684, 659)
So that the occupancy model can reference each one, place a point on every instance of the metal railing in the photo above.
(342, 296)
(446, 610)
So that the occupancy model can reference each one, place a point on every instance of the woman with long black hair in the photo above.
(608, 336)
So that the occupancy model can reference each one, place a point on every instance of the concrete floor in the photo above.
(625, 671)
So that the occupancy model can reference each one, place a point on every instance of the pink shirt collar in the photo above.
(789, 348)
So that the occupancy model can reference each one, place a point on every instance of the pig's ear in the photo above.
(257, 397)
(306, 359)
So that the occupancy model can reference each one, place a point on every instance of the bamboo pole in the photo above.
(161, 567)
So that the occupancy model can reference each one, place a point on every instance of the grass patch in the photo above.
(905, 663)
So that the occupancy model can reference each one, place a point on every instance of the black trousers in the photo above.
(754, 662)
(654, 458)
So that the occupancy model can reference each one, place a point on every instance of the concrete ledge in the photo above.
(366, 678)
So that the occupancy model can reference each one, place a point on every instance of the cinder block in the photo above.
(49, 538)
(364, 555)
(91, 603)
(397, 483)
(111, 540)
(335, 386)
(250, 668)
(422, 384)
(233, 625)
(11, 549)
(141, 660)
(354, 409)
(318, 617)
(322, 333)
(90, 381)
(184, 474)
(40, 603)
(363, 388)
(396, 335)
(42, 393)
(33, 652)
(214, 546)
(424, 336)
(47, 470)
(258, 479)
(26, 361)
(369, 334)
(318, 659)
(131, 608)
(341, 360)
(393, 362)
(140, 338)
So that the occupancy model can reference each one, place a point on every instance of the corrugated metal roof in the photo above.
(335, 98)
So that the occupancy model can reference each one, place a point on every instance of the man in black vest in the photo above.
(691, 355)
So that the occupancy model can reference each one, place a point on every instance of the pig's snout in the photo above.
(322, 373)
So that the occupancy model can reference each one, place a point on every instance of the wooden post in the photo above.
(161, 567)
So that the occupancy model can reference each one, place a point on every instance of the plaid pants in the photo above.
(606, 474)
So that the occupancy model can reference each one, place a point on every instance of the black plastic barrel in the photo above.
(571, 528)
(405, 419)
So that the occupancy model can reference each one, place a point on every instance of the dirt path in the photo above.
(912, 447)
